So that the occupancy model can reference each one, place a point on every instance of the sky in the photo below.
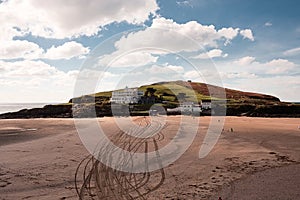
(53, 50)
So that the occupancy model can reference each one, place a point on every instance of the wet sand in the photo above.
(39, 158)
(276, 183)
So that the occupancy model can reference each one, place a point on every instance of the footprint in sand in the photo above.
(4, 183)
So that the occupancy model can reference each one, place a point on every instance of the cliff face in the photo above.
(238, 103)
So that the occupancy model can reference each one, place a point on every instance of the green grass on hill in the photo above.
(103, 94)
(169, 90)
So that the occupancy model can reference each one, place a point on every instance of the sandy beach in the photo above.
(254, 158)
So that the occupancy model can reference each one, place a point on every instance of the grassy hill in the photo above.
(169, 90)
(237, 103)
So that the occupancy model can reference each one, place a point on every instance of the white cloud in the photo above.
(94, 74)
(14, 49)
(292, 52)
(166, 69)
(209, 76)
(268, 24)
(285, 87)
(279, 66)
(19, 49)
(192, 74)
(131, 59)
(272, 67)
(26, 69)
(165, 36)
(247, 33)
(184, 3)
(228, 33)
(276, 77)
(35, 81)
(237, 75)
(166, 33)
(211, 54)
(169, 35)
(141, 76)
(244, 61)
(54, 19)
(66, 51)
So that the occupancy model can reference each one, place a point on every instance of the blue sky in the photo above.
(246, 45)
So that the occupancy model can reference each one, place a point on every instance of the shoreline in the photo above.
(282, 110)
(177, 115)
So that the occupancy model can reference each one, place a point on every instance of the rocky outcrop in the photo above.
(48, 111)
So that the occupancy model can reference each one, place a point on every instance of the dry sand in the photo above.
(255, 158)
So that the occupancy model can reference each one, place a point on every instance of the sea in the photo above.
(13, 107)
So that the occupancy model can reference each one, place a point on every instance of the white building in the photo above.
(206, 104)
(126, 96)
(190, 107)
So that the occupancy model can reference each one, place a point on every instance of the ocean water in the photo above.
(13, 107)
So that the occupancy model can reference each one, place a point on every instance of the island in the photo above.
(164, 98)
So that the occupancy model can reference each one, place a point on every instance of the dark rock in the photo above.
(48, 111)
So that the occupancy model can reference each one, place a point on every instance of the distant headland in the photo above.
(174, 97)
